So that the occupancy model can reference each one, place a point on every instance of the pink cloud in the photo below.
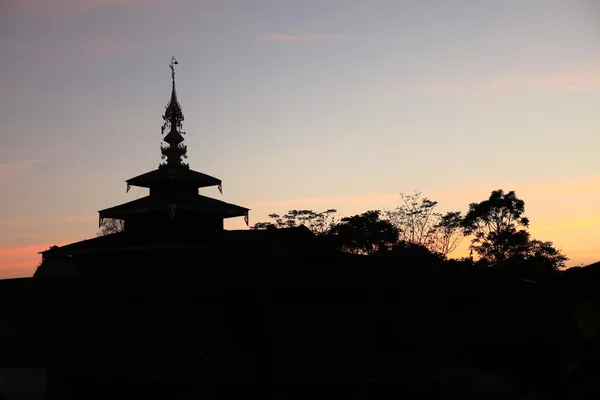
(9, 170)
(20, 261)
(81, 6)
(69, 219)
(584, 79)
(12, 253)
(280, 37)
(285, 37)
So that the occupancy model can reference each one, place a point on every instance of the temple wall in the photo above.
(181, 225)
(174, 188)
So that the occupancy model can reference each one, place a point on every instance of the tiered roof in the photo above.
(181, 182)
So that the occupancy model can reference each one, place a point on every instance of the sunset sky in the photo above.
(310, 104)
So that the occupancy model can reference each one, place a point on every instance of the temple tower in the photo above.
(174, 205)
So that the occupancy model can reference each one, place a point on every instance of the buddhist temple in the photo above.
(170, 225)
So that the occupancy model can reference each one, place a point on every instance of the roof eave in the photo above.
(225, 213)
(157, 176)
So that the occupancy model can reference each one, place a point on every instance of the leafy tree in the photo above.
(498, 227)
(538, 262)
(419, 224)
(263, 225)
(545, 253)
(500, 235)
(366, 233)
(110, 226)
(415, 219)
(318, 222)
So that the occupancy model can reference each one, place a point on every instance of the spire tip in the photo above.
(173, 117)
(172, 66)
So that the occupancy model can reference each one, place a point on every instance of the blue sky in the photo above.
(301, 104)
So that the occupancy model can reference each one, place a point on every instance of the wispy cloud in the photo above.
(68, 219)
(281, 37)
(25, 258)
(15, 252)
(9, 170)
(580, 80)
(286, 37)
(22, 260)
(80, 6)
(583, 79)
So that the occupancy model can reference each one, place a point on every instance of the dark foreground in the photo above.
(161, 337)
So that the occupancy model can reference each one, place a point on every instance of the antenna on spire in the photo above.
(172, 66)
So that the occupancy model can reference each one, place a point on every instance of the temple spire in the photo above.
(173, 117)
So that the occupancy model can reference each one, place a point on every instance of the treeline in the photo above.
(496, 227)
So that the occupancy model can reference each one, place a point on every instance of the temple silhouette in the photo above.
(173, 226)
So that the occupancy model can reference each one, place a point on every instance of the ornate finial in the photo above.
(172, 66)
(173, 118)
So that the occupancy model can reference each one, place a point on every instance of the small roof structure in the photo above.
(166, 174)
(197, 203)
(120, 241)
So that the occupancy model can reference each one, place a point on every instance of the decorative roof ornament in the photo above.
(173, 117)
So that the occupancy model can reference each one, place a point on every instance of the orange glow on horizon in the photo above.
(23, 258)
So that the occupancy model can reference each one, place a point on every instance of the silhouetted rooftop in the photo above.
(166, 174)
(124, 241)
(197, 203)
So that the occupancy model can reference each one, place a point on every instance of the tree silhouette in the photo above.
(496, 225)
(546, 255)
(366, 233)
(449, 233)
(110, 226)
(320, 223)
(500, 235)
(415, 219)
(419, 224)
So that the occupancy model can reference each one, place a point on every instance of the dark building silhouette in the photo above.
(171, 225)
